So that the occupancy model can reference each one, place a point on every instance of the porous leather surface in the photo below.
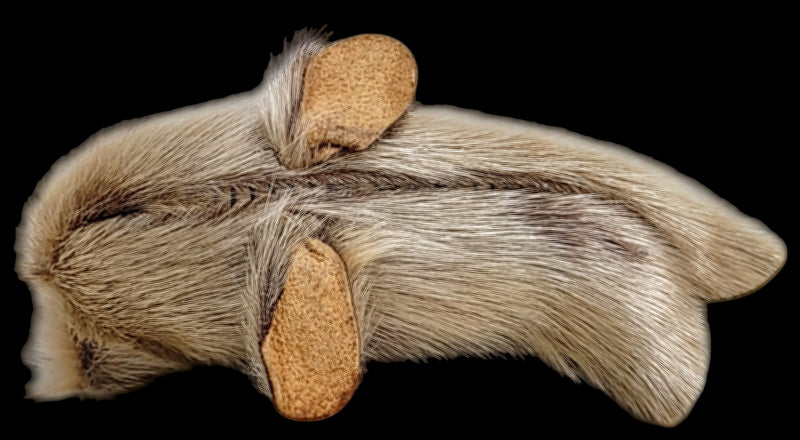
(312, 350)
(353, 91)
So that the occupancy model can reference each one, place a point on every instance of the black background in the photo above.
(705, 91)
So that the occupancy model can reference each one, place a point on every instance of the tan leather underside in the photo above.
(353, 91)
(312, 350)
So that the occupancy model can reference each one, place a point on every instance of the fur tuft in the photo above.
(280, 95)
(50, 354)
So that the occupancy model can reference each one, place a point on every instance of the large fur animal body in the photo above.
(165, 242)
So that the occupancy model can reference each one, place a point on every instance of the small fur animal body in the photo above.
(295, 238)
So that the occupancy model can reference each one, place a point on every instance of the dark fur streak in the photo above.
(87, 354)
(108, 214)
(158, 349)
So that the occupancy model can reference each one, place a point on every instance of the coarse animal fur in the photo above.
(163, 243)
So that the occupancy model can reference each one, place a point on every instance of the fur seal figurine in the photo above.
(325, 220)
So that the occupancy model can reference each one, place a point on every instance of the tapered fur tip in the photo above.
(747, 255)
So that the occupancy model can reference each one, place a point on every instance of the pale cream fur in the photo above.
(163, 243)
